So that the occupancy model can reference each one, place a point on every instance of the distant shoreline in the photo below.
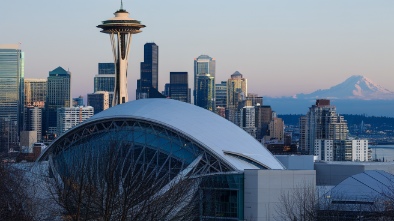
(382, 144)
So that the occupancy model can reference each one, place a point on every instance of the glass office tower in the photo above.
(150, 66)
(205, 94)
(58, 96)
(11, 95)
(204, 65)
(148, 84)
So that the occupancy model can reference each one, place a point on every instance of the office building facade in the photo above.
(254, 100)
(35, 92)
(33, 120)
(11, 95)
(204, 91)
(99, 101)
(105, 80)
(203, 65)
(221, 94)
(263, 119)
(236, 95)
(148, 84)
(276, 130)
(179, 87)
(58, 96)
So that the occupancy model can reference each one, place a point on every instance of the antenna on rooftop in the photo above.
(121, 4)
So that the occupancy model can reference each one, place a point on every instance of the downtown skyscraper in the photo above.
(11, 95)
(148, 84)
(236, 94)
(58, 96)
(205, 93)
(204, 65)
(35, 98)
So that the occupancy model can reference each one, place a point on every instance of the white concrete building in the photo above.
(248, 120)
(343, 150)
(360, 150)
(68, 117)
(324, 149)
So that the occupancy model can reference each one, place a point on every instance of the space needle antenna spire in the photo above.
(120, 29)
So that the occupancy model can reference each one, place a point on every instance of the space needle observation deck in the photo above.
(120, 28)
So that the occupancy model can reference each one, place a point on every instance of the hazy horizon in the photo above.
(282, 47)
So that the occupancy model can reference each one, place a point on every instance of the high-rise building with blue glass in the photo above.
(150, 66)
(179, 87)
(221, 94)
(11, 95)
(205, 93)
(204, 65)
(148, 84)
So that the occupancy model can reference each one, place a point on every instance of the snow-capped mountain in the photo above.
(355, 87)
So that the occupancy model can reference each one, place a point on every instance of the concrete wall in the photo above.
(28, 138)
(263, 189)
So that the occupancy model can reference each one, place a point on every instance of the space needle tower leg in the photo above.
(120, 28)
(121, 48)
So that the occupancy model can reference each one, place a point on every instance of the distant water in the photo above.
(383, 152)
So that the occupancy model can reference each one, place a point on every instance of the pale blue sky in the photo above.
(281, 47)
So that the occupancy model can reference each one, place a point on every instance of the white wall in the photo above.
(359, 150)
(263, 189)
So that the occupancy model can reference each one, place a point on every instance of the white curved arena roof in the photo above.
(220, 136)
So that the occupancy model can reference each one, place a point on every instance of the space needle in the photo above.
(120, 28)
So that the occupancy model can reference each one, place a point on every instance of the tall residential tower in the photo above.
(321, 122)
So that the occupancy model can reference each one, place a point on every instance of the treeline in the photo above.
(383, 123)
